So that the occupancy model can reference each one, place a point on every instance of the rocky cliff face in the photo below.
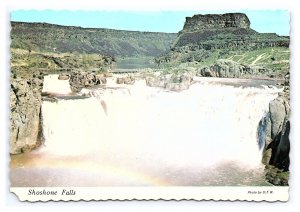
(205, 22)
(227, 30)
(25, 104)
(277, 145)
(275, 138)
(210, 37)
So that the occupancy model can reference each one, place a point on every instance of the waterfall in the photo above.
(140, 135)
(202, 126)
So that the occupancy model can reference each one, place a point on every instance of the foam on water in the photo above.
(202, 126)
(135, 135)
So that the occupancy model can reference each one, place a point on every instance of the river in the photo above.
(135, 135)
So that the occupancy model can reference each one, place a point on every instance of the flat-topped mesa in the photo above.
(216, 21)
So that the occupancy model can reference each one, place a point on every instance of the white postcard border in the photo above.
(231, 193)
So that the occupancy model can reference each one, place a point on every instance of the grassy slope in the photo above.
(205, 47)
(276, 58)
(25, 63)
(116, 43)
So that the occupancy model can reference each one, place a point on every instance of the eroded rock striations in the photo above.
(231, 30)
(216, 21)
(25, 104)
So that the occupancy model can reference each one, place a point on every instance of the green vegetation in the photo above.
(276, 58)
(53, 47)
(116, 43)
(271, 58)
(24, 62)
(204, 47)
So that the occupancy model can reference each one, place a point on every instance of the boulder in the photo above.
(170, 82)
(206, 72)
(81, 79)
(227, 68)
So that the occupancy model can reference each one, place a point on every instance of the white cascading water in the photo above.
(139, 132)
(55, 86)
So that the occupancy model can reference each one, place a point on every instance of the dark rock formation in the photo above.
(277, 145)
(206, 72)
(205, 22)
(204, 34)
(228, 68)
(80, 79)
(231, 30)
(25, 105)
(276, 127)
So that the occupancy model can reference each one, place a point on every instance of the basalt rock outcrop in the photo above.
(25, 105)
(170, 82)
(277, 145)
(202, 35)
(275, 139)
(80, 79)
(229, 68)
(226, 30)
(213, 21)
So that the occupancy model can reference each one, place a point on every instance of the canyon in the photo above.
(208, 49)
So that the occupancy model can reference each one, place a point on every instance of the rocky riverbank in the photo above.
(276, 138)
(229, 68)
(26, 99)
(25, 106)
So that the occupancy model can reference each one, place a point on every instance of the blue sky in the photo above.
(162, 21)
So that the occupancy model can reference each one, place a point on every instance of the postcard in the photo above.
(171, 105)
